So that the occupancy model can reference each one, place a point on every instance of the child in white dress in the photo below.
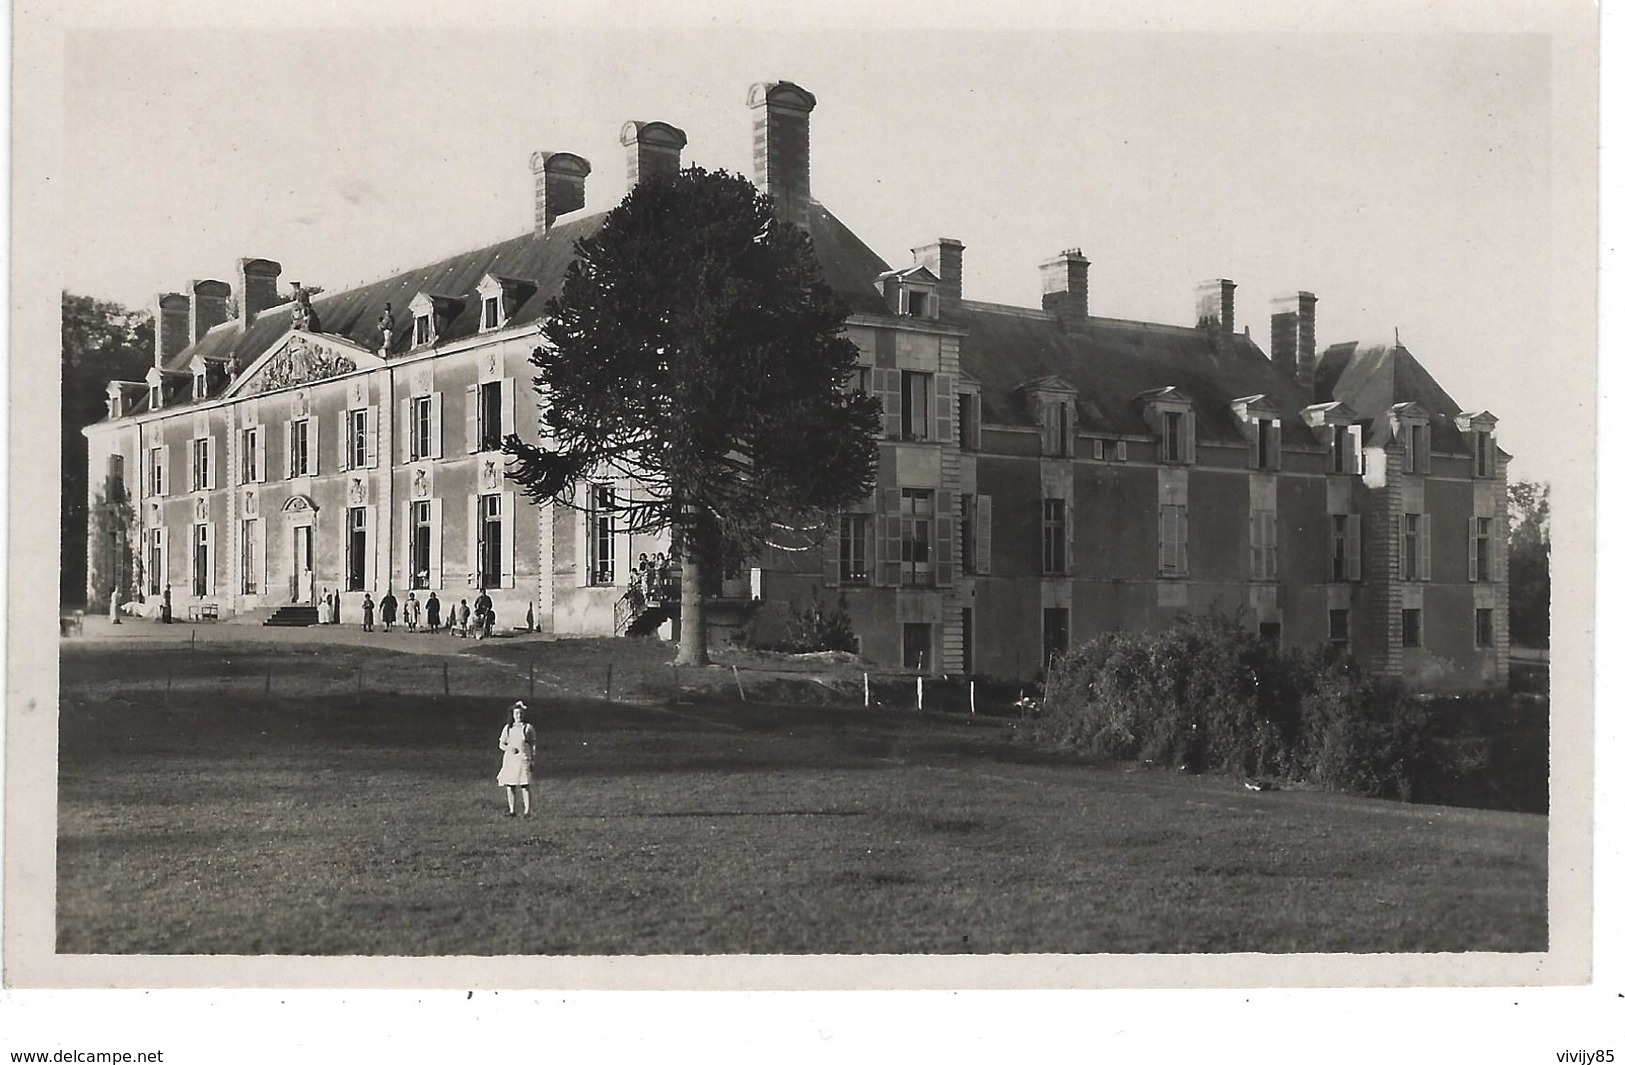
(518, 745)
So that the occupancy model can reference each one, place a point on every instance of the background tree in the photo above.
(101, 341)
(695, 348)
(1529, 575)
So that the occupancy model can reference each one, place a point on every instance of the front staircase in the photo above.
(294, 615)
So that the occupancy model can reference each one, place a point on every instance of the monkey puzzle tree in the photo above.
(696, 350)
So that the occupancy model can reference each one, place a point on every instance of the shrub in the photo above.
(1208, 694)
(820, 627)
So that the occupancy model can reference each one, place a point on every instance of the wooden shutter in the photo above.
(287, 449)
(210, 558)
(832, 551)
(164, 471)
(437, 529)
(1425, 462)
(406, 431)
(1425, 541)
(1187, 445)
(471, 418)
(211, 475)
(974, 420)
(509, 525)
(509, 419)
(1099, 450)
(436, 447)
(1168, 553)
(346, 440)
(945, 408)
(889, 383)
(369, 561)
(259, 455)
(1472, 548)
(405, 545)
(313, 444)
(1255, 540)
(984, 534)
(890, 537)
(944, 550)
(372, 437)
(473, 540)
(1122, 451)
(1066, 517)
(1352, 547)
(1182, 529)
(1269, 545)
(1253, 430)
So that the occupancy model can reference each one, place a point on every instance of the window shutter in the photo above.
(509, 524)
(1472, 548)
(1269, 545)
(1253, 429)
(260, 555)
(1099, 450)
(347, 440)
(211, 474)
(163, 467)
(1353, 548)
(369, 561)
(210, 559)
(1122, 451)
(372, 437)
(437, 540)
(1425, 462)
(1425, 537)
(1187, 444)
(287, 449)
(473, 540)
(832, 552)
(315, 444)
(406, 431)
(1255, 538)
(436, 447)
(889, 383)
(945, 538)
(471, 418)
(984, 534)
(975, 421)
(403, 549)
(1182, 529)
(259, 458)
(1275, 446)
(509, 419)
(1168, 554)
(945, 408)
(1066, 563)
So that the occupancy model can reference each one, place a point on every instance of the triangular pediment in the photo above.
(300, 358)
(1170, 396)
(1334, 413)
(1048, 383)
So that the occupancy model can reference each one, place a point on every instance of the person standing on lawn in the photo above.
(388, 608)
(412, 611)
(432, 608)
(518, 745)
(366, 612)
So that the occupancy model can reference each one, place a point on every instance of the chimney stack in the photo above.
(171, 321)
(944, 257)
(651, 148)
(1292, 337)
(561, 185)
(256, 285)
(780, 148)
(1065, 281)
(211, 305)
(1216, 311)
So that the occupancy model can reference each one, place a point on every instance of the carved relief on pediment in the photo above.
(301, 360)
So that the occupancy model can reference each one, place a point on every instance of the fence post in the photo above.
(865, 690)
(919, 694)
(973, 697)
(739, 685)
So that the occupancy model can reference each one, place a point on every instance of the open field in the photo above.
(316, 820)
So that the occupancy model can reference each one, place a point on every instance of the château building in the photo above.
(1047, 474)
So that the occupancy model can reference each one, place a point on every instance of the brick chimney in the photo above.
(256, 286)
(1216, 311)
(171, 321)
(780, 146)
(1292, 337)
(1065, 282)
(944, 257)
(561, 185)
(651, 148)
(211, 305)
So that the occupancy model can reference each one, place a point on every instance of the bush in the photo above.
(820, 627)
(1207, 694)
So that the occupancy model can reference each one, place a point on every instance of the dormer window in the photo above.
(200, 385)
(911, 293)
(1413, 433)
(1478, 431)
(422, 330)
(490, 310)
(1261, 423)
(500, 297)
(432, 316)
(1334, 425)
(1056, 432)
(1483, 454)
(918, 303)
(1168, 412)
(1173, 436)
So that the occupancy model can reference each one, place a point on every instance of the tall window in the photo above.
(1263, 545)
(919, 505)
(1414, 548)
(421, 413)
(491, 312)
(1483, 627)
(355, 438)
(201, 571)
(200, 463)
(1268, 438)
(421, 525)
(115, 477)
(1481, 553)
(156, 577)
(970, 421)
(355, 550)
(1416, 448)
(1483, 455)
(248, 563)
(1340, 547)
(854, 549)
(490, 415)
(1337, 630)
(1054, 553)
(1173, 436)
(601, 534)
(420, 330)
(1056, 428)
(1173, 559)
(299, 448)
(491, 540)
(967, 534)
(1410, 624)
(916, 406)
(1342, 449)
(249, 464)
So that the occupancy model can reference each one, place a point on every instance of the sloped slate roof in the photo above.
(1111, 362)
(849, 266)
(1372, 378)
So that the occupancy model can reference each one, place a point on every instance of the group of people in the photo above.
(653, 574)
(418, 616)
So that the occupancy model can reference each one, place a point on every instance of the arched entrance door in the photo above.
(301, 515)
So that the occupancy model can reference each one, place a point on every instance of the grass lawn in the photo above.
(220, 819)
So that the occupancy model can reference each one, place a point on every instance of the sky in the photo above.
(1407, 179)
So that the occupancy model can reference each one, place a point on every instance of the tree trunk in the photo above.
(691, 639)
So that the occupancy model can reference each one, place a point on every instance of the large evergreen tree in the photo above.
(101, 341)
(1529, 559)
(695, 348)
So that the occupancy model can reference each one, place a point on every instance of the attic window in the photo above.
(422, 330)
(916, 301)
(490, 313)
(200, 385)
(917, 304)
(1483, 454)
(1173, 436)
(1056, 434)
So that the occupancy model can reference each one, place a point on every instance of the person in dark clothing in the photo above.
(432, 608)
(366, 612)
(166, 615)
(388, 607)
